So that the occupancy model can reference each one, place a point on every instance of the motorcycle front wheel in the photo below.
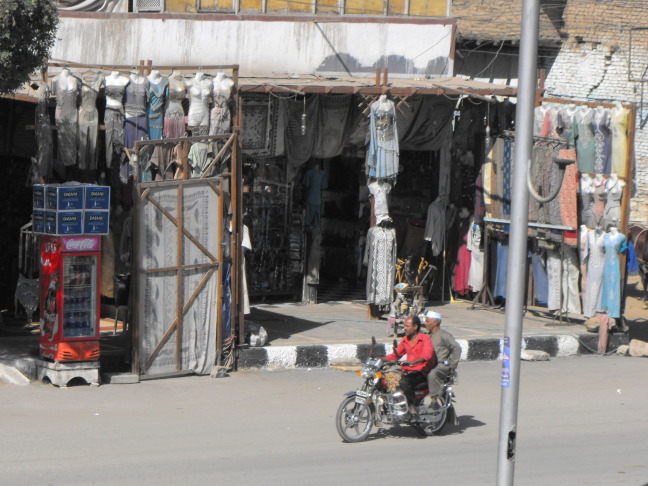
(354, 420)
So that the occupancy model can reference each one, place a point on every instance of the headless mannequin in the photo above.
(222, 86)
(199, 88)
(155, 77)
(115, 79)
(65, 80)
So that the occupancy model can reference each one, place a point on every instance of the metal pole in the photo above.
(518, 243)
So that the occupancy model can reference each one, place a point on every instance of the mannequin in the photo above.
(199, 89)
(586, 191)
(66, 90)
(220, 114)
(382, 153)
(613, 194)
(114, 115)
(89, 121)
(157, 94)
(174, 116)
(598, 183)
(380, 189)
(136, 100)
(614, 243)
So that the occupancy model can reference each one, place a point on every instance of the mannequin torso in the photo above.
(199, 89)
(115, 88)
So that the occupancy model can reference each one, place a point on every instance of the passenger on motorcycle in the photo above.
(420, 359)
(448, 353)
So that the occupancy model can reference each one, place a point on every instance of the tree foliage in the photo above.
(27, 33)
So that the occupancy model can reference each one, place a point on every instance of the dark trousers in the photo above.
(414, 380)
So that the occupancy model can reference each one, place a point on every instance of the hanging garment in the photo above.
(613, 195)
(157, 95)
(220, 119)
(586, 191)
(476, 273)
(382, 153)
(197, 158)
(553, 276)
(174, 116)
(567, 282)
(114, 121)
(499, 290)
(299, 147)
(565, 123)
(619, 118)
(594, 257)
(602, 141)
(570, 277)
(44, 137)
(162, 161)
(435, 227)
(380, 190)
(135, 121)
(199, 90)
(333, 121)
(540, 282)
(569, 204)
(509, 156)
(480, 207)
(67, 119)
(380, 257)
(462, 262)
(614, 244)
(316, 180)
(584, 139)
(89, 123)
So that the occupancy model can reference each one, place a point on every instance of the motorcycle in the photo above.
(380, 402)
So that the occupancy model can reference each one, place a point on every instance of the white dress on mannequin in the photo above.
(199, 88)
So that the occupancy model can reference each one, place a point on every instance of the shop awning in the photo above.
(373, 86)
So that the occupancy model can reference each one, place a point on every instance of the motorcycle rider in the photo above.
(448, 353)
(420, 355)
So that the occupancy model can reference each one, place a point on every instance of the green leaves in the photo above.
(27, 34)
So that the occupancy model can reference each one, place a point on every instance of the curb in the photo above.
(326, 355)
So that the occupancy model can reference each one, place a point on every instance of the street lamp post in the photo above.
(510, 385)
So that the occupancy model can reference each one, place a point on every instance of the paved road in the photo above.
(582, 422)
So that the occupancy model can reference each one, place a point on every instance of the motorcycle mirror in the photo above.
(394, 346)
(373, 345)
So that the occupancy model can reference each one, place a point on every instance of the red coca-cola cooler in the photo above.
(69, 281)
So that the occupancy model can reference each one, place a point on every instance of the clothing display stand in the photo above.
(485, 294)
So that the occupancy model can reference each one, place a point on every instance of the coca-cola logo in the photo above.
(81, 244)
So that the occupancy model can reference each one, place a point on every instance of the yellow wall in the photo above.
(422, 8)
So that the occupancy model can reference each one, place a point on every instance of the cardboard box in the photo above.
(38, 221)
(64, 197)
(64, 222)
(96, 222)
(97, 197)
(39, 196)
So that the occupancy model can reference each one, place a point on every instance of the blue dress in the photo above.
(611, 298)
(382, 153)
(158, 94)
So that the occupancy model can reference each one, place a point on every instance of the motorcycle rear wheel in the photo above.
(354, 421)
(436, 427)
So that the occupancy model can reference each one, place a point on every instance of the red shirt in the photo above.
(421, 347)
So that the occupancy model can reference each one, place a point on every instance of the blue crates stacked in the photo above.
(71, 209)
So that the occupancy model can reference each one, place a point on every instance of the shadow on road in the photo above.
(465, 422)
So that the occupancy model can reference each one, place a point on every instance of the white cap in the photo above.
(433, 315)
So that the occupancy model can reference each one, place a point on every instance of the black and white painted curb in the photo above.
(321, 356)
